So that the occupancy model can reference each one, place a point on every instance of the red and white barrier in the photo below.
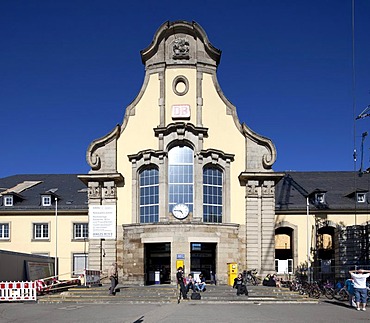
(18, 291)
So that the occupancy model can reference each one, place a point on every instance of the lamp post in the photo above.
(102, 254)
(56, 238)
(308, 238)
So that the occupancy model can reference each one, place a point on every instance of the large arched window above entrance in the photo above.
(212, 194)
(149, 195)
(180, 176)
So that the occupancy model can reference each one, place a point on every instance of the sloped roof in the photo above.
(71, 192)
(339, 189)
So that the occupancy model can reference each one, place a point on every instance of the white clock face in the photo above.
(180, 211)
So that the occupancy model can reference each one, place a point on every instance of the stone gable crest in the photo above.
(180, 48)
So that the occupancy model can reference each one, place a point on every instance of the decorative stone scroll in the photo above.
(109, 190)
(268, 188)
(94, 191)
(252, 189)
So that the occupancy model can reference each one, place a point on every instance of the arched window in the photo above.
(180, 176)
(212, 195)
(149, 195)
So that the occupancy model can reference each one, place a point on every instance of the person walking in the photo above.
(113, 277)
(359, 285)
(348, 285)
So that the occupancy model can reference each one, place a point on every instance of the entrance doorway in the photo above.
(157, 260)
(203, 259)
(284, 250)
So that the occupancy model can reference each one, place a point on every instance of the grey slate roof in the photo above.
(290, 192)
(339, 187)
(70, 191)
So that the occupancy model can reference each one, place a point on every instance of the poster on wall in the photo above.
(39, 270)
(102, 222)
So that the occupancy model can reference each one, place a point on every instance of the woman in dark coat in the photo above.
(239, 284)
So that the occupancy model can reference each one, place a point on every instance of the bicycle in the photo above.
(328, 290)
(250, 276)
(342, 295)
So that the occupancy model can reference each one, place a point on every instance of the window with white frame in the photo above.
(46, 200)
(80, 230)
(149, 195)
(361, 197)
(4, 231)
(40, 231)
(8, 200)
(79, 263)
(180, 176)
(212, 195)
(320, 198)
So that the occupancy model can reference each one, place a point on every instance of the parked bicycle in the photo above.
(250, 276)
(327, 289)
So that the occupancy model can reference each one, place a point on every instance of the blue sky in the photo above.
(68, 69)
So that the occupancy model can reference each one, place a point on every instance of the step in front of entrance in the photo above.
(169, 294)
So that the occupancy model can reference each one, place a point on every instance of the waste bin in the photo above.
(232, 272)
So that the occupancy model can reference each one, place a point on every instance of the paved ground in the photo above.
(185, 312)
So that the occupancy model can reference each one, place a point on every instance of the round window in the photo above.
(180, 85)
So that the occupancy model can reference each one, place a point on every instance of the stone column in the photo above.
(109, 245)
(95, 196)
(253, 224)
(268, 227)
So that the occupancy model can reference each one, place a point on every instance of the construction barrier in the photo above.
(18, 291)
(92, 277)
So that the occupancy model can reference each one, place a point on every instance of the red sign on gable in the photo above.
(181, 111)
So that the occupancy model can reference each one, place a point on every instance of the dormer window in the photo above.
(361, 197)
(320, 198)
(8, 200)
(46, 200)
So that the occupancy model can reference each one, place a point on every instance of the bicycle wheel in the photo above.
(314, 293)
(329, 293)
(342, 295)
(254, 281)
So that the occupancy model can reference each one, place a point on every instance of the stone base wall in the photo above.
(230, 239)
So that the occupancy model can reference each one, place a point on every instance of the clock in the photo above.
(180, 211)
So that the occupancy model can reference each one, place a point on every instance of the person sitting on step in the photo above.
(200, 285)
(190, 283)
(240, 285)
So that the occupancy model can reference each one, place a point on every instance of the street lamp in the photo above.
(56, 238)
(308, 238)
(102, 253)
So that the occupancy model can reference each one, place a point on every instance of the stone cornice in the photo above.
(259, 176)
(216, 154)
(180, 128)
(116, 177)
(146, 154)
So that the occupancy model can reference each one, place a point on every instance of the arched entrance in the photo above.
(325, 251)
(285, 248)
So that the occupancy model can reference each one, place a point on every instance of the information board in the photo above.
(102, 222)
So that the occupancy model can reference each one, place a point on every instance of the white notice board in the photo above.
(102, 222)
